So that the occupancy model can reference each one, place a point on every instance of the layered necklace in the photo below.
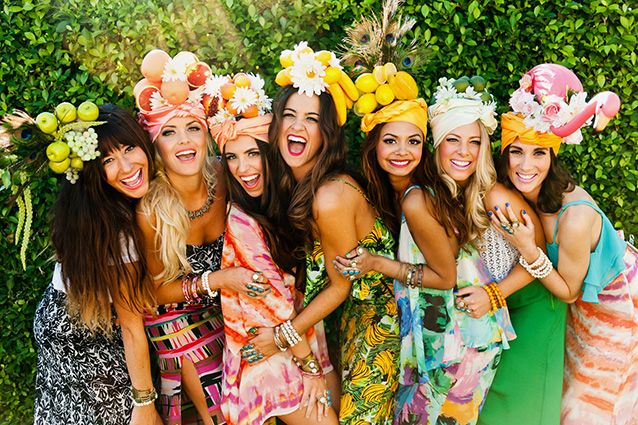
(204, 209)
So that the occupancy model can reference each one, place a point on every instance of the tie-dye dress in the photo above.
(368, 334)
(194, 332)
(601, 342)
(448, 359)
(252, 393)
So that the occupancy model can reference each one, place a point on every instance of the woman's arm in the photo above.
(575, 237)
(137, 357)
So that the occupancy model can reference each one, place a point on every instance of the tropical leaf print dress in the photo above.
(368, 335)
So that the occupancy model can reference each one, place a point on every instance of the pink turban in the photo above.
(257, 128)
(154, 121)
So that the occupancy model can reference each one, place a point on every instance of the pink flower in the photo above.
(550, 110)
(525, 82)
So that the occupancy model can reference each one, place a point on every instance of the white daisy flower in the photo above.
(470, 93)
(221, 116)
(214, 84)
(299, 47)
(243, 98)
(306, 75)
(174, 71)
(157, 101)
(195, 96)
(256, 82)
(445, 94)
(334, 62)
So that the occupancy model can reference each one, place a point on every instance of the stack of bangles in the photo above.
(143, 397)
(286, 336)
(413, 275)
(539, 269)
(192, 291)
(497, 300)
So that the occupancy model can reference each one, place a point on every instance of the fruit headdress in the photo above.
(61, 141)
(460, 102)
(242, 108)
(550, 107)
(378, 52)
(315, 72)
(172, 87)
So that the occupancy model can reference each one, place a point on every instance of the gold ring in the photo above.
(515, 224)
(353, 264)
(359, 250)
(256, 277)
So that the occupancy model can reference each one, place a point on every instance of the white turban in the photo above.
(457, 112)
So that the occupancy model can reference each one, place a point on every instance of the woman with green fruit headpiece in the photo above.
(87, 362)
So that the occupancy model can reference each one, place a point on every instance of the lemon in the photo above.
(283, 78)
(389, 69)
(366, 104)
(366, 83)
(59, 167)
(324, 57)
(378, 74)
(384, 94)
(286, 59)
(332, 75)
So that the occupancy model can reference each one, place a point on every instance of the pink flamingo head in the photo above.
(553, 79)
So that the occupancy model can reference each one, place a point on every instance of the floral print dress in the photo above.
(368, 334)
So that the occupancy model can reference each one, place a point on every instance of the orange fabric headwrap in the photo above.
(412, 111)
(512, 128)
(257, 128)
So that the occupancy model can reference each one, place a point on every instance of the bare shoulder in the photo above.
(334, 194)
(416, 201)
(500, 195)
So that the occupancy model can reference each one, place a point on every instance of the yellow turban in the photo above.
(513, 127)
(412, 111)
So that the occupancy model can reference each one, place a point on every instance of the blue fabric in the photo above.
(605, 263)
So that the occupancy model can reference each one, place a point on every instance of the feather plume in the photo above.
(375, 41)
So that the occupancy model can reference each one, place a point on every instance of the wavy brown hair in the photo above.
(92, 223)
(557, 182)
(268, 209)
(448, 211)
(331, 161)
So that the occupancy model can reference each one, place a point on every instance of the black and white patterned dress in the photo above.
(82, 378)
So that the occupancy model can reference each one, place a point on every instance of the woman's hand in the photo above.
(240, 279)
(315, 394)
(145, 415)
(263, 342)
(521, 235)
(355, 263)
(474, 300)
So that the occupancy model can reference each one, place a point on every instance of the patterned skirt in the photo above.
(601, 355)
(82, 377)
(193, 332)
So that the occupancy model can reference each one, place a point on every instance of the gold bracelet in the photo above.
(309, 365)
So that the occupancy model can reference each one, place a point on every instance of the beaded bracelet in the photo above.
(497, 300)
(290, 334)
(539, 269)
(206, 285)
(309, 365)
(143, 397)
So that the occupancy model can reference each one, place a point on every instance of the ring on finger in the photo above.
(251, 294)
(359, 250)
(515, 224)
(461, 304)
(353, 264)
(256, 276)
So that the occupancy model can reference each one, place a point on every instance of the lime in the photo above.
(478, 83)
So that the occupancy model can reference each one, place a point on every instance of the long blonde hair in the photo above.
(169, 220)
(481, 182)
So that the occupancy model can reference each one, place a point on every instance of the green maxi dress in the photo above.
(528, 385)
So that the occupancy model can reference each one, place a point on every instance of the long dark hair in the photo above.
(331, 162)
(557, 182)
(448, 211)
(267, 209)
(91, 225)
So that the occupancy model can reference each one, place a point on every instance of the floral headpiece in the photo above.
(63, 141)
(550, 99)
(313, 73)
(460, 102)
(171, 87)
(242, 107)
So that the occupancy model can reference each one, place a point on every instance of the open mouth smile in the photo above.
(296, 145)
(134, 181)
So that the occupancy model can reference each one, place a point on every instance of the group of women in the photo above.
(275, 282)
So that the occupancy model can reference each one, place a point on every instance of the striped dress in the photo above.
(194, 332)
(252, 393)
(601, 342)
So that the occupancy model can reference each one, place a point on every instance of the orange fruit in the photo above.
(228, 90)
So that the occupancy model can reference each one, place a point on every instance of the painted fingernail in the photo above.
(524, 212)
(496, 208)
(356, 272)
(507, 204)
(490, 213)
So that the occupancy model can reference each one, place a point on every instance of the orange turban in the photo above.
(412, 111)
(513, 127)
(257, 128)
(154, 121)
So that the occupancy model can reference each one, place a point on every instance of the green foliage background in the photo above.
(73, 50)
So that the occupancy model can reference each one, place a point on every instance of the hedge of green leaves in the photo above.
(72, 50)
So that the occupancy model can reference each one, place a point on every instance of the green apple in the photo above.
(58, 151)
(59, 167)
(478, 83)
(66, 112)
(47, 122)
(461, 84)
(88, 111)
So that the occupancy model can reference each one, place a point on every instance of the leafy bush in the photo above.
(54, 51)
